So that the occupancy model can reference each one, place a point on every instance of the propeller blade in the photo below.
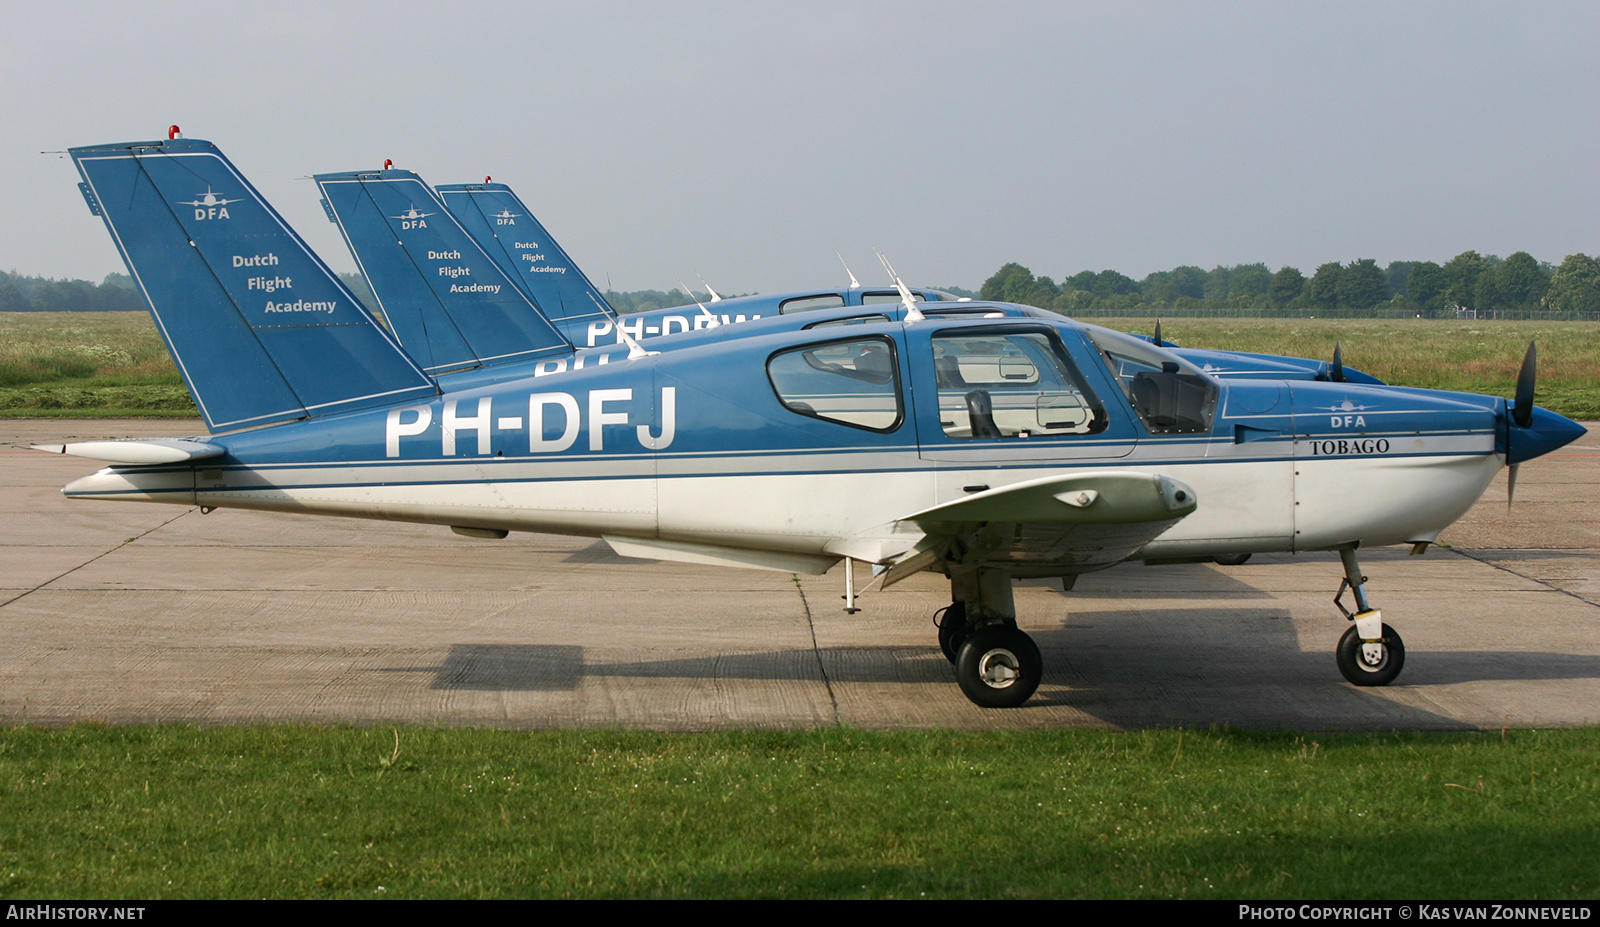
(1158, 333)
(1522, 413)
(1336, 373)
(1511, 486)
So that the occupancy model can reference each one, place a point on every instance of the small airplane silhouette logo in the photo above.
(1347, 406)
(206, 199)
(411, 214)
(506, 214)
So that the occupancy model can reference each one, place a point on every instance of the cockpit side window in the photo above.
(854, 382)
(1011, 384)
(1169, 396)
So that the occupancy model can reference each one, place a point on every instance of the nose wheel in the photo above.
(1371, 663)
(1370, 653)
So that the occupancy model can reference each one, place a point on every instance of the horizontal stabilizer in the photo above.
(497, 219)
(143, 451)
(447, 301)
(684, 552)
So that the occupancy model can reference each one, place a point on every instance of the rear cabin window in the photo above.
(1011, 384)
(807, 303)
(852, 320)
(973, 312)
(893, 296)
(855, 382)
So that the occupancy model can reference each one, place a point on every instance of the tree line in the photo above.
(1486, 285)
(42, 294)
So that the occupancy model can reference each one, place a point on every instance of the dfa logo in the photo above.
(208, 205)
(411, 219)
(505, 217)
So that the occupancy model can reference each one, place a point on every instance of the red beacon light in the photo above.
(173, 132)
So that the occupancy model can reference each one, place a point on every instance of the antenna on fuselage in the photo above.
(634, 348)
(913, 314)
(714, 297)
(708, 313)
(854, 283)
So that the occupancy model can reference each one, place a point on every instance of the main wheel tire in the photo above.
(1355, 666)
(999, 667)
(952, 629)
(1231, 559)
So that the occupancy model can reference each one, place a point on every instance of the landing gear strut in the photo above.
(1370, 653)
(952, 623)
(997, 666)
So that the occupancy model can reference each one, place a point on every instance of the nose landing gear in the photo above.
(1370, 653)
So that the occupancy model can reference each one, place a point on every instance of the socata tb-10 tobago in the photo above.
(985, 449)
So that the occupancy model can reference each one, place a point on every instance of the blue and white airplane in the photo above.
(985, 449)
(426, 275)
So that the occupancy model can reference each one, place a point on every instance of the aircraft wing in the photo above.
(1073, 523)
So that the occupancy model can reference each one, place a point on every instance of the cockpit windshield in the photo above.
(1169, 394)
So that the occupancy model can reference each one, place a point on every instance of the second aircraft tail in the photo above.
(447, 300)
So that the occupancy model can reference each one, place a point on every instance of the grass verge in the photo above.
(1468, 357)
(296, 812)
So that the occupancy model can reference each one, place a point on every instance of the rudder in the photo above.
(260, 328)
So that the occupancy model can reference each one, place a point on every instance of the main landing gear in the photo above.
(997, 665)
(1370, 653)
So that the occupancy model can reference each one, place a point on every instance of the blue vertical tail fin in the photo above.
(505, 228)
(446, 300)
(260, 328)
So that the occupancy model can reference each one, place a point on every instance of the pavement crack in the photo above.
(816, 651)
(1534, 579)
(108, 551)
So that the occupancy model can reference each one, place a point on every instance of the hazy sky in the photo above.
(749, 141)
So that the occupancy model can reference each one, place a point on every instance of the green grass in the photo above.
(179, 812)
(83, 364)
(106, 364)
(1471, 357)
